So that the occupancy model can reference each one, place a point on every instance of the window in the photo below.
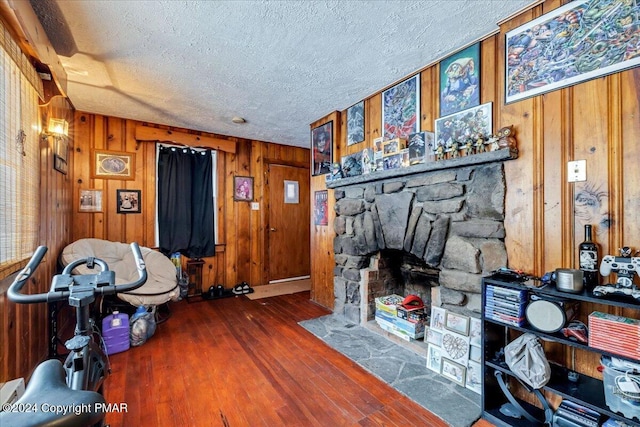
(19, 156)
(186, 182)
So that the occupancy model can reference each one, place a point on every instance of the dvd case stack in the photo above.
(572, 414)
(616, 334)
(506, 305)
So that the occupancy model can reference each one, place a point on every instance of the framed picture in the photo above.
(455, 346)
(456, 128)
(352, 165)
(355, 123)
(457, 323)
(584, 45)
(321, 208)
(90, 200)
(243, 188)
(475, 332)
(434, 358)
(453, 371)
(401, 109)
(113, 165)
(475, 354)
(61, 155)
(434, 337)
(437, 318)
(460, 81)
(420, 143)
(322, 148)
(474, 377)
(128, 201)
(291, 192)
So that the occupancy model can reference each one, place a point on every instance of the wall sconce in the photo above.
(58, 127)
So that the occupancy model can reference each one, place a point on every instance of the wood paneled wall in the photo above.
(240, 252)
(24, 328)
(597, 120)
(545, 215)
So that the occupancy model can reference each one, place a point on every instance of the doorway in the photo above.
(288, 229)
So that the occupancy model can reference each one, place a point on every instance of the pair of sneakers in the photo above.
(242, 288)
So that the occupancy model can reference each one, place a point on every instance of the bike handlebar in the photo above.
(14, 292)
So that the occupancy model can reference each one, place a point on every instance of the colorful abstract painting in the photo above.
(582, 40)
(401, 109)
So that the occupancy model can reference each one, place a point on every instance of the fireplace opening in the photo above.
(400, 273)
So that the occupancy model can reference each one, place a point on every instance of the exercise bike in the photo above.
(69, 394)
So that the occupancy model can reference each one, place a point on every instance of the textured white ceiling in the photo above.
(279, 64)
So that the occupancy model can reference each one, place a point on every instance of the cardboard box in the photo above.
(389, 303)
(412, 314)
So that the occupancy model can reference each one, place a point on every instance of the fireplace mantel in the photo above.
(475, 159)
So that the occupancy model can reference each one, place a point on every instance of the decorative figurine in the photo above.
(455, 149)
(440, 152)
(336, 171)
(493, 142)
(506, 139)
(480, 143)
(469, 147)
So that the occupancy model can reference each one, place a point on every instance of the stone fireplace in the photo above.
(432, 229)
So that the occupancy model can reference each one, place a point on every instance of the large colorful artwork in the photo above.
(460, 81)
(452, 131)
(401, 109)
(579, 41)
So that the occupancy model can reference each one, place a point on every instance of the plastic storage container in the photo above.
(115, 332)
(626, 403)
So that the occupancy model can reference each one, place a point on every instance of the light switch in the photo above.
(577, 171)
(255, 206)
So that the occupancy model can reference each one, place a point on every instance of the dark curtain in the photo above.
(185, 202)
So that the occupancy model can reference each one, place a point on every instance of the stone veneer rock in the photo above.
(450, 219)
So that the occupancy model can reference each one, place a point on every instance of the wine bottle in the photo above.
(589, 259)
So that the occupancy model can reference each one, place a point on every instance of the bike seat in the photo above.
(48, 402)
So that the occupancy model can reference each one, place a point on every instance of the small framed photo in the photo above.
(474, 377)
(453, 371)
(437, 318)
(393, 146)
(128, 201)
(243, 188)
(90, 201)
(434, 358)
(475, 354)
(61, 155)
(291, 192)
(434, 337)
(457, 323)
(113, 165)
(475, 332)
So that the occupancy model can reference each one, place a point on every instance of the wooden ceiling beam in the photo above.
(147, 133)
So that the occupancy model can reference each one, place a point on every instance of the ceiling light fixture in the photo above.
(239, 120)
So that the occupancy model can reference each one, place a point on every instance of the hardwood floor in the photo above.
(237, 362)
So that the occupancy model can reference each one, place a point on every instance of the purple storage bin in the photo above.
(115, 333)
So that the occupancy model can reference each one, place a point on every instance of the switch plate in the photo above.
(255, 206)
(577, 171)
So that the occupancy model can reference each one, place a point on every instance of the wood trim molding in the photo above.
(146, 133)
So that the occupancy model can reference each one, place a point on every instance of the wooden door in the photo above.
(288, 228)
